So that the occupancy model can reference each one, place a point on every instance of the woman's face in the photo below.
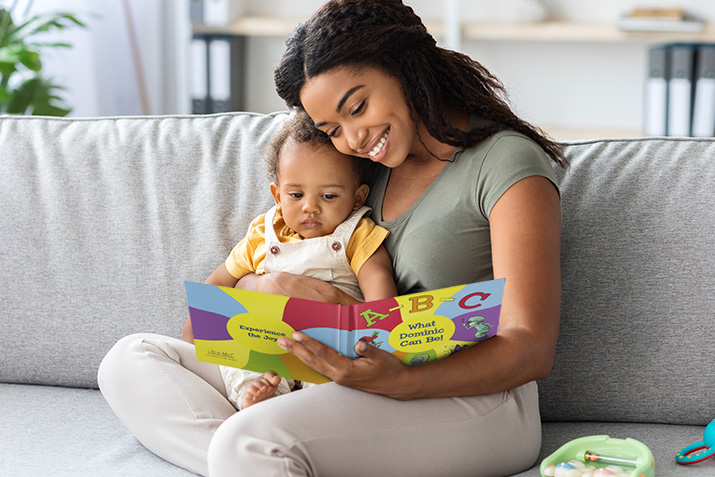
(364, 112)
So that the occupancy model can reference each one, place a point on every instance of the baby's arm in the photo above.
(375, 276)
(219, 277)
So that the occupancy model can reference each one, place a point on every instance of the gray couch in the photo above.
(103, 219)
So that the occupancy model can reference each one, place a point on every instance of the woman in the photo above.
(468, 193)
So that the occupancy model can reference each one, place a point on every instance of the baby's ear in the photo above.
(276, 193)
(361, 196)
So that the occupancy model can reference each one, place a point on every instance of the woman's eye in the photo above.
(331, 134)
(360, 108)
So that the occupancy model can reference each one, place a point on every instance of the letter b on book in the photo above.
(421, 303)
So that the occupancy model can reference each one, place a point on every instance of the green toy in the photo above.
(634, 457)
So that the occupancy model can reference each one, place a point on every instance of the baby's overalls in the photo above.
(324, 258)
(320, 257)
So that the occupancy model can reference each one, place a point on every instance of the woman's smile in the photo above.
(378, 147)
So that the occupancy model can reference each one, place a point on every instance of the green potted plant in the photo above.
(23, 87)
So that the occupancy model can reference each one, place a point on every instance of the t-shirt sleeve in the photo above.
(248, 255)
(364, 242)
(511, 158)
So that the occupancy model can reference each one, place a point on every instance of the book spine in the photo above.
(348, 330)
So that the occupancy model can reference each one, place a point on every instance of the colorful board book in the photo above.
(240, 328)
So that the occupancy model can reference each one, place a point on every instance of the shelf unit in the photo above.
(554, 31)
(549, 31)
(575, 32)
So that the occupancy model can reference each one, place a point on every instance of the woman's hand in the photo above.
(296, 286)
(377, 371)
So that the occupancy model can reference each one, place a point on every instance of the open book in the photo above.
(240, 328)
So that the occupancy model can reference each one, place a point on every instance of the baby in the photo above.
(316, 228)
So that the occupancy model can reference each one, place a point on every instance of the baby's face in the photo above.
(317, 189)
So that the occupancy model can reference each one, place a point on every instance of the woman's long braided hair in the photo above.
(388, 35)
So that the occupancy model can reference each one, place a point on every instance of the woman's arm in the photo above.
(296, 286)
(525, 231)
(375, 276)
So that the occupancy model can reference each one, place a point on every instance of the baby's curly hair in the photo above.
(302, 130)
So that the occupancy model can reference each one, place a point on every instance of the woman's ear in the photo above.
(276, 193)
(361, 196)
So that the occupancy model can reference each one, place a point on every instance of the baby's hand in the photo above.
(260, 389)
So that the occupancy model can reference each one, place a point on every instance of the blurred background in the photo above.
(567, 65)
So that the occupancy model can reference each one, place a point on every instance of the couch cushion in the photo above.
(103, 220)
(66, 432)
(638, 260)
(76, 434)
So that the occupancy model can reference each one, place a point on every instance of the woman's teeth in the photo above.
(376, 150)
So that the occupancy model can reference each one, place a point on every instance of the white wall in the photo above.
(99, 71)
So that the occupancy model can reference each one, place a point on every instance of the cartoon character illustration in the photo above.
(371, 339)
(477, 323)
(419, 359)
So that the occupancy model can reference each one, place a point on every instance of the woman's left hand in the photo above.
(376, 371)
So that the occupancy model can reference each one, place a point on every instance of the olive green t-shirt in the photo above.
(443, 238)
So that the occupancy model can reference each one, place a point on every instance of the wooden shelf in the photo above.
(252, 26)
(259, 26)
(560, 31)
(575, 32)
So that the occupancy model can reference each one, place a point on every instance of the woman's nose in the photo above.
(357, 138)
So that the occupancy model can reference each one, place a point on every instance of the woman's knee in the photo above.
(263, 439)
(118, 361)
(232, 440)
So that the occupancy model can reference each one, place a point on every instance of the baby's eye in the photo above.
(329, 196)
(296, 195)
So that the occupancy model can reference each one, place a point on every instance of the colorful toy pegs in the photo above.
(699, 451)
(600, 456)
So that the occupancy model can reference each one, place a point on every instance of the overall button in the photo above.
(336, 246)
(275, 250)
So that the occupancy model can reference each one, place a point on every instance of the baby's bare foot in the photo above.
(260, 389)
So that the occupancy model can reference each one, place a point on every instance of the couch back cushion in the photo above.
(637, 335)
(103, 220)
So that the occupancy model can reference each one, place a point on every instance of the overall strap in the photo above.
(346, 229)
(268, 222)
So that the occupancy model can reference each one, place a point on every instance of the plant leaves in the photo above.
(35, 96)
(50, 45)
(6, 24)
(11, 55)
(31, 60)
(44, 22)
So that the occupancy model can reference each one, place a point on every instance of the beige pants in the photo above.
(176, 406)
